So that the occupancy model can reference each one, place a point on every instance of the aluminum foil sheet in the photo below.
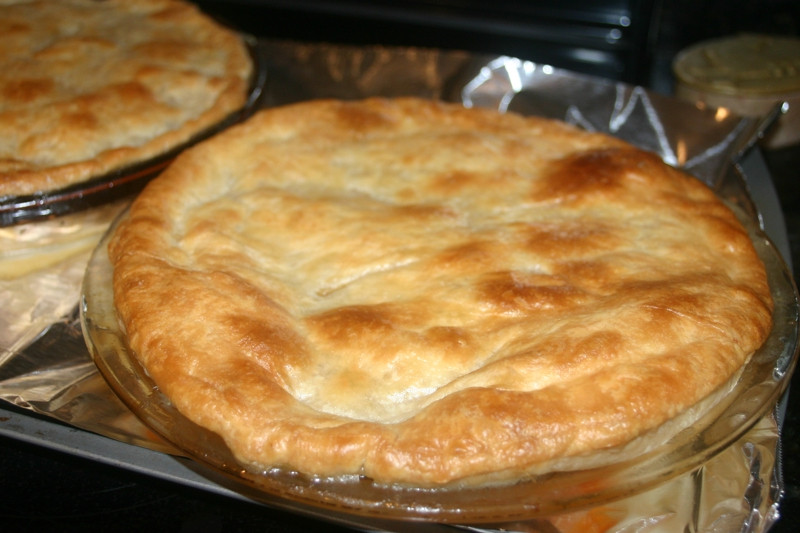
(45, 367)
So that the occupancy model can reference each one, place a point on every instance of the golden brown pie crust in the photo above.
(88, 87)
(427, 294)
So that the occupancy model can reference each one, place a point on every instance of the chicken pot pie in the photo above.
(88, 87)
(429, 295)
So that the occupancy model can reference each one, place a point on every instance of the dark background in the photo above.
(632, 41)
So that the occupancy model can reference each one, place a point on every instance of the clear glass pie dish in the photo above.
(710, 429)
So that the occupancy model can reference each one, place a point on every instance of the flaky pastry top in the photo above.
(88, 87)
(426, 294)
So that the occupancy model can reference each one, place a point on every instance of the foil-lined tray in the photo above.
(45, 367)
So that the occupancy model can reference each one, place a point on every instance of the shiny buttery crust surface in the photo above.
(88, 87)
(427, 294)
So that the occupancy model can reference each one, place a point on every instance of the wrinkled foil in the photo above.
(45, 366)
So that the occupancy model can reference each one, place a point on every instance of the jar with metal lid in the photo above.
(747, 74)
